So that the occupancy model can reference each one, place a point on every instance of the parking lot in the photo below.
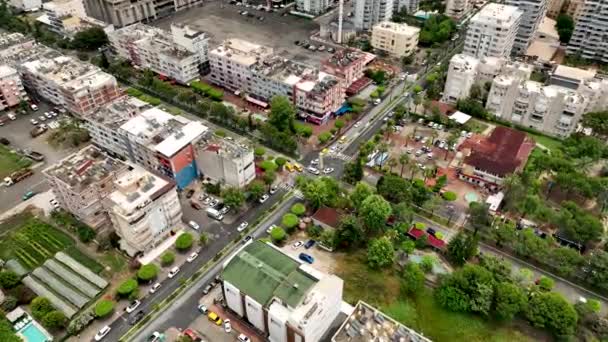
(221, 20)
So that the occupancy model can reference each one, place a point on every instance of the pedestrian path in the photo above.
(340, 156)
(288, 187)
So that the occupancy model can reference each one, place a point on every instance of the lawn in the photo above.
(11, 162)
(115, 261)
(422, 313)
(14, 222)
(476, 126)
(548, 142)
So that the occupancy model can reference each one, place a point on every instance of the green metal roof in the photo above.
(263, 272)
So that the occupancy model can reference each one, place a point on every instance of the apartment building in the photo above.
(144, 209)
(225, 162)
(26, 5)
(68, 17)
(104, 124)
(347, 65)
(80, 183)
(181, 55)
(370, 12)
(11, 89)
(12, 45)
(280, 296)
(312, 7)
(533, 12)
(492, 31)
(554, 7)
(395, 39)
(79, 86)
(122, 13)
(410, 6)
(164, 143)
(318, 96)
(457, 9)
(588, 39)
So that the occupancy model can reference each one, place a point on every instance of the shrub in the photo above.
(315, 231)
(259, 151)
(220, 133)
(298, 209)
(280, 161)
(324, 137)
(167, 259)
(268, 165)
(54, 320)
(449, 196)
(427, 263)
(103, 308)
(147, 272)
(420, 225)
(126, 288)
(184, 242)
(40, 306)
(278, 234)
(289, 221)
(8, 279)
(9, 304)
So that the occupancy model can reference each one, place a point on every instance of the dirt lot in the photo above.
(324, 261)
(221, 20)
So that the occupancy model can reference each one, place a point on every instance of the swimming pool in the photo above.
(33, 334)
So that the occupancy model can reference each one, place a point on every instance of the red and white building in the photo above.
(347, 65)
(11, 89)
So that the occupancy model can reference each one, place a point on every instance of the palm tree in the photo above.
(417, 102)
(451, 141)
(392, 163)
(404, 160)
(434, 135)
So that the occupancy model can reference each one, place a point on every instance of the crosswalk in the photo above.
(339, 155)
(288, 187)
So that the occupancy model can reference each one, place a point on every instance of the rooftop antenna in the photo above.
(340, 14)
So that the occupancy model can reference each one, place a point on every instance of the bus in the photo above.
(214, 214)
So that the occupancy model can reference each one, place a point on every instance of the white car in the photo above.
(263, 198)
(214, 202)
(333, 148)
(174, 271)
(194, 225)
(298, 244)
(105, 330)
(42, 118)
(469, 135)
(54, 203)
(313, 170)
(48, 115)
(33, 121)
(273, 190)
(227, 326)
(154, 288)
(242, 226)
(192, 256)
(133, 306)
(269, 229)
(34, 108)
(243, 338)
(314, 162)
(328, 170)
(357, 124)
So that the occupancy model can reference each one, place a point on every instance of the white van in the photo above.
(214, 214)
(12, 116)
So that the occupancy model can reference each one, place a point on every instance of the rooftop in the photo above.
(119, 111)
(263, 272)
(243, 52)
(573, 73)
(181, 137)
(497, 14)
(154, 39)
(225, 147)
(462, 62)
(398, 28)
(6, 70)
(328, 216)
(367, 323)
(85, 167)
(136, 187)
(346, 57)
(10, 39)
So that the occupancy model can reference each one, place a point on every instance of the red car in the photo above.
(193, 335)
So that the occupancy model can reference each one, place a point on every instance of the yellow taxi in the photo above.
(213, 317)
(342, 140)
(298, 167)
(289, 167)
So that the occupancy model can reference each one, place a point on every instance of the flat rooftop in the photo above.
(264, 272)
(367, 323)
(118, 112)
(6, 70)
(181, 137)
(85, 167)
(400, 28)
(573, 73)
(344, 58)
(492, 12)
(10, 39)
(241, 51)
(136, 186)
(225, 147)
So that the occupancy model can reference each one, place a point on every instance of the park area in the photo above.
(11, 162)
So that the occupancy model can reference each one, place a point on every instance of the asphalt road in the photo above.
(120, 325)
(183, 311)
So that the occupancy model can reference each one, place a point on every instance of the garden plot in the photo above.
(68, 310)
(73, 296)
(81, 269)
(72, 278)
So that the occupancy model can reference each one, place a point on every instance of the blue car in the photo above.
(309, 244)
(306, 258)
(28, 195)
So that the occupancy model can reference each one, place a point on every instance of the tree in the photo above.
(551, 311)
(353, 171)
(8, 279)
(147, 272)
(427, 263)
(85, 233)
(394, 189)
(167, 258)
(339, 124)
(449, 196)
(412, 279)
(233, 197)
(475, 92)
(404, 160)
(103, 308)
(479, 216)
(408, 246)
(546, 284)
(565, 26)
(269, 177)
(184, 242)
(403, 214)
(259, 152)
(380, 252)
(461, 248)
(598, 121)
(500, 269)
(256, 189)
(40, 306)
(298, 209)
(280, 161)
(509, 300)
(278, 234)
(54, 320)
(127, 287)
(203, 239)
(268, 165)
(282, 114)
(9, 304)
(374, 212)
(90, 39)
(289, 221)
(469, 289)
(320, 191)
(360, 193)
(349, 232)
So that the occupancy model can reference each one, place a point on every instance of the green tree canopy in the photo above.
(565, 27)
(278, 234)
(127, 287)
(551, 311)
(298, 209)
(412, 278)
(349, 232)
(282, 114)
(360, 193)
(8, 279)
(289, 221)
(54, 320)
(103, 308)
(90, 39)
(256, 189)
(167, 258)
(40, 306)
(184, 242)
(374, 212)
(147, 272)
(394, 188)
(598, 121)
(509, 299)
(461, 248)
(380, 253)
(233, 197)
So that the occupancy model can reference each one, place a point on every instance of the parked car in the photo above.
(309, 244)
(247, 239)
(242, 226)
(273, 189)
(263, 198)
(202, 308)
(431, 231)
(243, 338)
(225, 209)
(194, 225)
(313, 170)
(136, 317)
(298, 244)
(28, 195)
(5, 141)
(215, 318)
(54, 203)
(227, 326)
(155, 288)
(33, 121)
(328, 170)
(174, 271)
(306, 258)
(189, 193)
(314, 161)
(103, 332)
(207, 289)
(192, 256)
(134, 305)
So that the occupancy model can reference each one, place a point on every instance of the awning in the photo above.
(256, 101)
(460, 117)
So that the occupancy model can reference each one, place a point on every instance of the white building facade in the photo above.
(226, 162)
(411, 6)
(492, 31)
(588, 39)
(370, 12)
(533, 13)
(457, 9)
(11, 88)
(396, 39)
(312, 7)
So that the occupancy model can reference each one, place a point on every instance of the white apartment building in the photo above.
(465, 71)
(492, 31)
(411, 6)
(370, 12)
(182, 55)
(68, 17)
(11, 88)
(81, 181)
(457, 9)
(122, 13)
(226, 162)
(13, 47)
(312, 7)
(79, 86)
(588, 39)
(396, 39)
(533, 13)
(143, 208)
(26, 5)
(282, 297)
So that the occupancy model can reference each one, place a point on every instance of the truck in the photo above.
(33, 155)
(37, 131)
(214, 214)
(17, 176)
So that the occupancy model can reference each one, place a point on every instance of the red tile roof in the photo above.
(328, 216)
(416, 233)
(503, 152)
(433, 241)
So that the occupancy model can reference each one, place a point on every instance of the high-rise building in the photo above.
(226, 162)
(411, 6)
(395, 39)
(347, 65)
(11, 89)
(312, 7)
(122, 13)
(181, 55)
(370, 12)
(492, 31)
(588, 39)
(533, 13)
(457, 9)
(68, 17)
